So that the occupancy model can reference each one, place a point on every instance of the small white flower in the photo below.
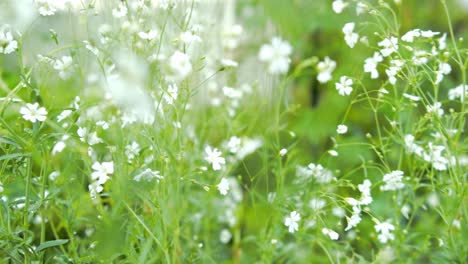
(342, 129)
(330, 233)
(147, 175)
(292, 221)
(344, 86)
(64, 114)
(317, 203)
(436, 108)
(338, 6)
(234, 144)
(444, 69)
(223, 186)
(87, 137)
(120, 11)
(95, 188)
(46, 7)
(7, 43)
(365, 190)
(33, 113)
(385, 230)
(150, 35)
(276, 54)
(283, 152)
(389, 46)
(132, 150)
(351, 37)
(101, 171)
(370, 65)
(60, 145)
(325, 69)
(355, 218)
(64, 67)
(225, 236)
(213, 156)
(189, 37)
(393, 181)
(429, 33)
(412, 97)
(461, 91)
(410, 35)
(179, 66)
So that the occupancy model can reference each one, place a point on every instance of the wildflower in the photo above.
(364, 188)
(429, 33)
(325, 69)
(344, 86)
(60, 145)
(338, 6)
(333, 153)
(370, 65)
(234, 144)
(87, 137)
(420, 57)
(7, 43)
(342, 129)
(393, 181)
(64, 66)
(283, 152)
(188, 37)
(330, 233)
(150, 35)
(361, 8)
(393, 70)
(223, 186)
(101, 171)
(213, 156)
(147, 175)
(46, 7)
(95, 188)
(248, 147)
(120, 11)
(292, 221)
(225, 236)
(316, 203)
(132, 150)
(389, 46)
(385, 230)
(436, 108)
(461, 91)
(64, 114)
(410, 35)
(355, 218)
(412, 97)
(179, 66)
(412, 147)
(442, 42)
(434, 156)
(276, 55)
(33, 113)
(351, 38)
(444, 69)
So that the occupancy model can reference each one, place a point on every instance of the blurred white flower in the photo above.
(393, 181)
(338, 6)
(389, 46)
(223, 186)
(341, 129)
(276, 54)
(102, 171)
(370, 65)
(351, 37)
(384, 229)
(7, 43)
(147, 175)
(461, 91)
(436, 108)
(33, 113)
(120, 10)
(225, 236)
(444, 69)
(179, 66)
(283, 152)
(292, 221)
(330, 233)
(325, 69)
(132, 150)
(64, 66)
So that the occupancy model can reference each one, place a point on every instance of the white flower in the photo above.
(344, 86)
(229, 63)
(64, 66)
(276, 54)
(351, 38)
(7, 43)
(393, 181)
(292, 221)
(364, 188)
(64, 114)
(179, 66)
(120, 11)
(370, 65)
(393, 70)
(412, 97)
(435, 108)
(46, 7)
(410, 35)
(384, 229)
(429, 33)
(213, 156)
(361, 8)
(101, 171)
(225, 236)
(325, 69)
(317, 203)
(87, 137)
(234, 144)
(389, 46)
(412, 147)
(60, 145)
(94, 188)
(33, 113)
(338, 6)
(444, 69)
(171, 94)
(150, 35)
(355, 218)
(442, 42)
(147, 175)
(434, 156)
(461, 91)
(132, 150)
(223, 186)
(330, 233)
(341, 129)
(283, 152)
(188, 37)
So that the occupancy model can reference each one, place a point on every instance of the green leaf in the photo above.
(51, 243)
